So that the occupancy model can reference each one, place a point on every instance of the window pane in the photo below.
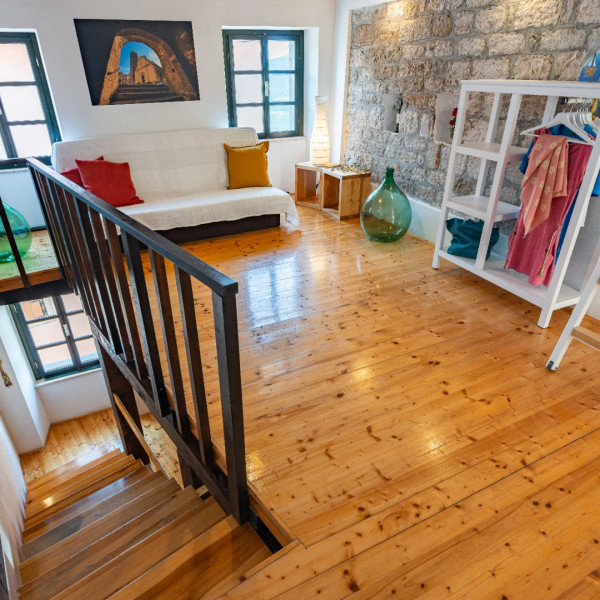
(72, 302)
(47, 332)
(246, 55)
(22, 103)
(34, 309)
(79, 325)
(282, 55)
(56, 358)
(281, 87)
(250, 116)
(248, 88)
(14, 63)
(282, 118)
(31, 140)
(87, 351)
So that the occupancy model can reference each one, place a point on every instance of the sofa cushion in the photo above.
(247, 166)
(208, 207)
(74, 175)
(109, 181)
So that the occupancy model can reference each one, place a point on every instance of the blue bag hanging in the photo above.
(466, 235)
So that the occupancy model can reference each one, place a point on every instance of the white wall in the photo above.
(53, 22)
(12, 493)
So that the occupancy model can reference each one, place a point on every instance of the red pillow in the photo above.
(74, 175)
(109, 181)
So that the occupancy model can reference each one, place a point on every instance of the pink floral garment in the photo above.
(534, 254)
(545, 178)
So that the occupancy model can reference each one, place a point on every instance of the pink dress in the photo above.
(533, 253)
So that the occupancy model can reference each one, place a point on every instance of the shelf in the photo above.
(490, 151)
(476, 206)
(311, 201)
(515, 283)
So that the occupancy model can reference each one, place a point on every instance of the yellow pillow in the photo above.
(247, 166)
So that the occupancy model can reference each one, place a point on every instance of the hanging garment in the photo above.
(534, 254)
(546, 178)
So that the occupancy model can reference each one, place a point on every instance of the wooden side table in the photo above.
(335, 189)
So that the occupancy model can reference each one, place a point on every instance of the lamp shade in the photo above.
(320, 148)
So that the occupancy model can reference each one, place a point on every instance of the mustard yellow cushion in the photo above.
(247, 166)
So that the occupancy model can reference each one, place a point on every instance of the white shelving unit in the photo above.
(490, 209)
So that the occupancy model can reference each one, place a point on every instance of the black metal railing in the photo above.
(137, 318)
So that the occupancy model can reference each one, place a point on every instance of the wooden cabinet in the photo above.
(337, 190)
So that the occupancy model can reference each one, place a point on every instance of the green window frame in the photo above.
(273, 110)
(9, 143)
(54, 314)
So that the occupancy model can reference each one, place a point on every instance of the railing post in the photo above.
(228, 358)
(118, 385)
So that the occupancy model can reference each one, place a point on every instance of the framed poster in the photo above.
(135, 62)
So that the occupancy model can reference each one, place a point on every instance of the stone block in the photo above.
(441, 25)
(471, 46)
(491, 20)
(541, 13)
(434, 84)
(454, 4)
(506, 43)
(412, 84)
(457, 71)
(533, 66)
(409, 121)
(435, 5)
(416, 29)
(413, 51)
(570, 38)
(420, 101)
(588, 12)
(491, 68)
(439, 48)
(479, 3)
(463, 23)
(364, 35)
(437, 178)
(567, 65)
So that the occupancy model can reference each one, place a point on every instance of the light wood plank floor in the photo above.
(401, 424)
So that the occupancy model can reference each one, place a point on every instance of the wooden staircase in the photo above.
(110, 527)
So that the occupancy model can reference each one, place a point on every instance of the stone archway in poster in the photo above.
(135, 62)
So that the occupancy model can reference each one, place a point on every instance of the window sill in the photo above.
(284, 139)
(61, 378)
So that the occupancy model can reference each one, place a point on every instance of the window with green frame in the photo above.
(56, 335)
(28, 125)
(264, 74)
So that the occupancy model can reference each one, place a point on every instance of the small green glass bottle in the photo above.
(385, 215)
(21, 232)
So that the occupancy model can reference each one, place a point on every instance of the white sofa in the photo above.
(182, 178)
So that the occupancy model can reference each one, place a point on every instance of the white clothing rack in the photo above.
(491, 210)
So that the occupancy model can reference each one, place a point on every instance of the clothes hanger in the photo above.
(566, 119)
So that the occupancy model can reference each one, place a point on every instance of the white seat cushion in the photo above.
(208, 207)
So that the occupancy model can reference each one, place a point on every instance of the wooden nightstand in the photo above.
(335, 189)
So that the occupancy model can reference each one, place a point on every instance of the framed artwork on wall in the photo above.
(135, 62)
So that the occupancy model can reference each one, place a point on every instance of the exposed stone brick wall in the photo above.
(423, 47)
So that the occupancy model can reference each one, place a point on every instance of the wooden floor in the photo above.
(401, 424)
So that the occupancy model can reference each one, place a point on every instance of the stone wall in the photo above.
(423, 47)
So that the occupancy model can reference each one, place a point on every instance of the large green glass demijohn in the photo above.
(385, 215)
(21, 232)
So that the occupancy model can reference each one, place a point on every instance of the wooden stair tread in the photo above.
(131, 564)
(116, 511)
(210, 561)
(102, 550)
(61, 475)
(46, 504)
(80, 514)
(82, 461)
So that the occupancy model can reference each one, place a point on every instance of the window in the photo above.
(56, 334)
(28, 126)
(264, 72)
